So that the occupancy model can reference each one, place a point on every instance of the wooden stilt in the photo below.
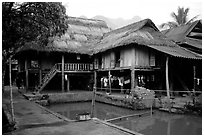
(26, 71)
(132, 79)
(167, 83)
(62, 73)
(40, 71)
(167, 76)
(109, 79)
(40, 75)
(94, 94)
(194, 78)
(68, 84)
(194, 83)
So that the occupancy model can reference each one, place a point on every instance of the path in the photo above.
(33, 119)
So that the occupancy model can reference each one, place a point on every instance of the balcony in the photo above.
(75, 67)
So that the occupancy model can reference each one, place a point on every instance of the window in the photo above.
(117, 58)
(99, 61)
(96, 63)
(152, 59)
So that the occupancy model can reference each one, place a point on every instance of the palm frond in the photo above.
(180, 18)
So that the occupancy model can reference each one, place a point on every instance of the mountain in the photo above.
(107, 20)
(117, 22)
(83, 17)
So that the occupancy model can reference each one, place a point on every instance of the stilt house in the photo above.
(134, 55)
(189, 36)
(142, 56)
(64, 64)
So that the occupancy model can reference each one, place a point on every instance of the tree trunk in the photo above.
(11, 94)
(3, 73)
(3, 76)
(62, 73)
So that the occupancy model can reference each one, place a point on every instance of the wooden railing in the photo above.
(75, 67)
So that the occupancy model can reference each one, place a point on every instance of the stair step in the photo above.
(46, 79)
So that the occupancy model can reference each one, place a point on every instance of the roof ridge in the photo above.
(85, 19)
(140, 23)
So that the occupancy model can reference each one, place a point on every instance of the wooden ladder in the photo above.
(46, 79)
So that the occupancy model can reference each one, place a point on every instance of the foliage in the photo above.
(180, 18)
(28, 21)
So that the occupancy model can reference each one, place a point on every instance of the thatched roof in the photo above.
(141, 33)
(180, 34)
(80, 35)
(88, 36)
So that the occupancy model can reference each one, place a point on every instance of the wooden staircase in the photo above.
(47, 78)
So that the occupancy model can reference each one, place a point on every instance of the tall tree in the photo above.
(180, 18)
(30, 21)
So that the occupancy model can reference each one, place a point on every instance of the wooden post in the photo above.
(194, 83)
(94, 94)
(167, 76)
(40, 71)
(194, 78)
(167, 82)
(40, 76)
(132, 79)
(68, 84)
(109, 79)
(11, 92)
(26, 71)
(169, 127)
(62, 73)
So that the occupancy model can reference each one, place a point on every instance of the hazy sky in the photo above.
(157, 10)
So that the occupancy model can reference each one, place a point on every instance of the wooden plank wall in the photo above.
(107, 60)
(128, 57)
(142, 57)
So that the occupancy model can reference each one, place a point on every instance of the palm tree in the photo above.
(180, 18)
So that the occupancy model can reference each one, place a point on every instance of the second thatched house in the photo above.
(140, 55)
(188, 36)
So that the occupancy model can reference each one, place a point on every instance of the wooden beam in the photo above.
(167, 76)
(109, 79)
(131, 115)
(40, 75)
(194, 78)
(40, 70)
(94, 95)
(26, 71)
(95, 79)
(62, 73)
(132, 79)
(68, 84)
(167, 83)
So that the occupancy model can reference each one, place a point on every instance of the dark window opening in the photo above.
(99, 61)
(117, 59)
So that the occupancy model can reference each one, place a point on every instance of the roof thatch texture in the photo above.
(88, 36)
(141, 33)
(80, 35)
(180, 34)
